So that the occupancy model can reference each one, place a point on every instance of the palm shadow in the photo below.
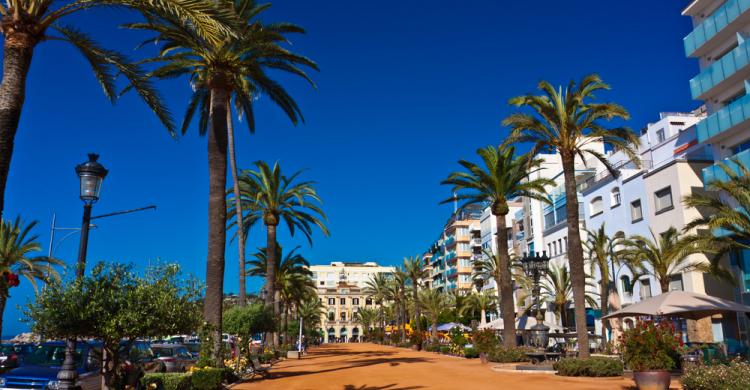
(386, 387)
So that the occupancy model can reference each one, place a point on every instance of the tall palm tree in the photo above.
(502, 177)
(481, 303)
(292, 275)
(235, 65)
(414, 268)
(396, 292)
(603, 257)
(730, 214)
(277, 198)
(24, 24)
(309, 312)
(668, 254)
(433, 303)
(366, 317)
(557, 288)
(376, 288)
(17, 243)
(567, 121)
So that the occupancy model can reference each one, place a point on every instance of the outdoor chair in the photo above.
(256, 368)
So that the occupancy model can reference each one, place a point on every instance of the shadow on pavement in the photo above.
(350, 365)
(386, 387)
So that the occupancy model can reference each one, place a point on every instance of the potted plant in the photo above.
(484, 341)
(651, 350)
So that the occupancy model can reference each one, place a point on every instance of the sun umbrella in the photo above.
(522, 323)
(681, 304)
(451, 325)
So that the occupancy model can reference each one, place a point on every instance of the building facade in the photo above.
(450, 258)
(340, 287)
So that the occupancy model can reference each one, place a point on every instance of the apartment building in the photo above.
(719, 42)
(340, 287)
(450, 258)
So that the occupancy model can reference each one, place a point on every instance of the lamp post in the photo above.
(534, 267)
(91, 175)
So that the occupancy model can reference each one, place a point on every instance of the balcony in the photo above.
(451, 286)
(451, 273)
(520, 236)
(450, 241)
(715, 172)
(476, 242)
(728, 117)
(724, 68)
(732, 11)
(450, 256)
(463, 238)
(465, 269)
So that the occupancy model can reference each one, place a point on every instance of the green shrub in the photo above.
(266, 357)
(471, 353)
(485, 340)
(207, 379)
(444, 349)
(170, 381)
(432, 347)
(404, 345)
(735, 376)
(594, 366)
(651, 346)
(501, 354)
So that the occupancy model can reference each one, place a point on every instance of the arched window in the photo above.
(626, 284)
(596, 206)
(615, 197)
(331, 316)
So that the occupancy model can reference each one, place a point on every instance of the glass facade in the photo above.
(720, 70)
(715, 172)
(730, 115)
(716, 22)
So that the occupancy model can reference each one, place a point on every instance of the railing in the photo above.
(731, 115)
(476, 241)
(451, 272)
(449, 241)
(720, 70)
(605, 174)
(715, 172)
(718, 20)
(450, 256)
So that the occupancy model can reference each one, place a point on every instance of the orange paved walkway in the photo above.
(376, 367)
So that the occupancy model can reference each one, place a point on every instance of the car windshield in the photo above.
(193, 347)
(51, 355)
(162, 351)
(6, 350)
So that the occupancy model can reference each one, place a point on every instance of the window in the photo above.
(596, 206)
(636, 212)
(677, 123)
(343, 316)
(331, 301)
(645, 289)
(549, 220)
(660, 136)
(626, 286)
(663, 199)
(615, 201)
(559, 244)
(675, 282)
(322, 283)
(343, 301)
(331, 316)
(565, 244)
(549, 249)
(554, 247)
(355, 301)
(368, 301)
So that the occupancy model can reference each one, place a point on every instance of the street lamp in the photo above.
(534, 267)
(91, 175)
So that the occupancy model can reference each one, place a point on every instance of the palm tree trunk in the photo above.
(3, 301)
(575, 254)
(17, 55)
(285, 325)
(506, 283)
(217, 216)
(483, 320)
(271, 273)
(603, 306)
(434, 331)
(238, 209)
(276, 314)
(417, 314)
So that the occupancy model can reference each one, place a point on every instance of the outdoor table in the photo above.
(538, 357)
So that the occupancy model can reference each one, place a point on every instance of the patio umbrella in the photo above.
(681, 304)
(451, 325)
(522, 323)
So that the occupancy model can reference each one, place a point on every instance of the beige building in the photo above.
(340, 287)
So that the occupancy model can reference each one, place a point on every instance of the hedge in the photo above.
(203, 379)
(502, 354)
(444, 349)
(594, 367)
(471, 353)
(735, 376)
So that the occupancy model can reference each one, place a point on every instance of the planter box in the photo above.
(292, 355)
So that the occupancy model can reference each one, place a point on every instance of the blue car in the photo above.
(40, 368)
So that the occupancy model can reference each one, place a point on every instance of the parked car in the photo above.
(11, 355)
(139, 361)
(40, 367)
(194, 349)
(176, 357)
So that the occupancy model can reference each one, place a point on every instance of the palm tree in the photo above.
(667, 255)
(414, 268)
(309, 312)
(292, 275)
(251, 50)
(603, 256)
(557, 288)
(366, 317)
(566, 121)
(730, 214)
(25, 24)
(16, 245)
(479, 302)
(504, 176)
(433, 303)
(376, 288)
(396, 292)
(276, 197)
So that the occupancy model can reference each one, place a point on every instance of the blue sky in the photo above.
(406, 89)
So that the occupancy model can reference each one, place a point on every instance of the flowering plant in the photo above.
(651, 346)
